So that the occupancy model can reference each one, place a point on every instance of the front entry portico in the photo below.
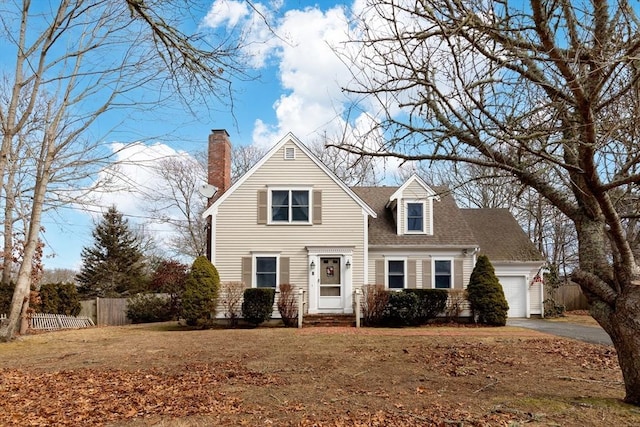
(330, 286)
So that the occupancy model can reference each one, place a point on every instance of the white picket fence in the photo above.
(43, 321)
(47, 322)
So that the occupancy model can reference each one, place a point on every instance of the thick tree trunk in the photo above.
(614, 301)
(23, 285)
(623, 326)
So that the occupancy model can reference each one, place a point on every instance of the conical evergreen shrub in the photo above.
(486, 297)
(200, 296)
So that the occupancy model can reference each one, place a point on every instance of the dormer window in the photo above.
(415, 217)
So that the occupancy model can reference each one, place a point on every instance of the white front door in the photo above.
(330, 287)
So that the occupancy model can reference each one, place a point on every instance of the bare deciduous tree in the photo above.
(350, 168)
(178, 203)
(83, 59)
(545, 91)
(243, 158)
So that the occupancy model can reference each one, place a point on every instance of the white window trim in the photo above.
(433, 271)
(270, 220)
(254, 267)
(386, 272)
(406, 216)
(429, 226)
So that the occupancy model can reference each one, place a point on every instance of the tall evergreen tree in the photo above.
(114, 265)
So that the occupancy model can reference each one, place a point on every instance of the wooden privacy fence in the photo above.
(570, 296)
(106, 311)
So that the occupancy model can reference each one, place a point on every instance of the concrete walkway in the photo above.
(591, 334)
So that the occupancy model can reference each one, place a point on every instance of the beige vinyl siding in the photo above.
(377, 257)
(414, 191)
(238, 233)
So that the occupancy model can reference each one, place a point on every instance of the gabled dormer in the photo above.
(412, 207)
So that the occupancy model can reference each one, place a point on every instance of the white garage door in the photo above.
(515, 289)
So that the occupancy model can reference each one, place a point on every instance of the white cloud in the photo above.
(131, 176)
(130, 184)
(303, 44)
(231, 12)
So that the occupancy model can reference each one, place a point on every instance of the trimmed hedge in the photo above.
(257, 305)
(411, 307)
(431, 302)
(401, 310)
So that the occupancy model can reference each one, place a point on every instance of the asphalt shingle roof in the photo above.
(500, 236)
(495, 231)
(449, 226)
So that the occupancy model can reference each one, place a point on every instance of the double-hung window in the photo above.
(290, 206)
(415, 217)
(266, 271)
(443, 278)
(396, 274)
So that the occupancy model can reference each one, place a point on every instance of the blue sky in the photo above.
(299, 91)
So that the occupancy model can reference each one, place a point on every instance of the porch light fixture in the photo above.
(312, 266)
(348, 264)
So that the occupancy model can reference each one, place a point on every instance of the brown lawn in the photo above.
(581, 317)
(441, 376)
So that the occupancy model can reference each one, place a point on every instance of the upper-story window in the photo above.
(290, 206)
(415, 217)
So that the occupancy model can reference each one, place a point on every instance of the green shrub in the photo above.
(200, 296)
(486, 297)
(59, 298)
(287, 305)
(69, 299)
(258, 305)
(49, 299)
(431, 303)
(149, 308)
(402, 309)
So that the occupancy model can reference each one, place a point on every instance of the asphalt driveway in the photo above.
(591, 334)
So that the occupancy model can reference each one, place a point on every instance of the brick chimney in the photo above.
(219, 161)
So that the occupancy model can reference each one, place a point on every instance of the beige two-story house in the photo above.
(289, 219)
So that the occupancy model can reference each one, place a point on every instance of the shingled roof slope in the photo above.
(450, 228)
(500, 236)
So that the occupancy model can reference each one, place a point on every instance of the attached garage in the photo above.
(515, 290)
